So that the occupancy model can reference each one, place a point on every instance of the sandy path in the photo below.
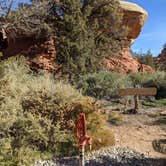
(138, 132)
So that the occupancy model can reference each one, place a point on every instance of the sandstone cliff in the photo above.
(134, 18)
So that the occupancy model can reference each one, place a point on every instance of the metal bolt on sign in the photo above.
(83, 138)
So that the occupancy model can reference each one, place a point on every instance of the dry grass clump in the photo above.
(103, 137)
(115, 118)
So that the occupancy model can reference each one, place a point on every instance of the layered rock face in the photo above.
(43, 55)
(161, 60)
(134, 18)
(126, 63)
(42, 52)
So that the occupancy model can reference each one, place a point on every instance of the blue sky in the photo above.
(153, 35)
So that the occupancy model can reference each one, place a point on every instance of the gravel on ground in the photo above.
(110, 156)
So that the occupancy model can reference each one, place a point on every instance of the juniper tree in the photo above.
(87, 30)
(145, 58)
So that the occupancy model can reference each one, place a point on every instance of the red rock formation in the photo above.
(42, 55)
(42, 52)
(126, 63)
(134, 18)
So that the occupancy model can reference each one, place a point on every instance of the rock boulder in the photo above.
(134, 18)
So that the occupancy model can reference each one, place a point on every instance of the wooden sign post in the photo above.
(136, 92)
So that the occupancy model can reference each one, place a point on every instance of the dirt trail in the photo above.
(138, 132)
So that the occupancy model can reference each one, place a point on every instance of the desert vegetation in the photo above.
(104, 84)
(38, 111)
(39, 108)
(38, 115)
(145, 58)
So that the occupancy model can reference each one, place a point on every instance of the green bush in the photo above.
(158, 80)
(24, 136)
(103, 138)
(138, 79)
(156, 103)
(37, 115)
(155, 79)
(102, 84)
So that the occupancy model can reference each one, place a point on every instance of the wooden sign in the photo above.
(137, 91)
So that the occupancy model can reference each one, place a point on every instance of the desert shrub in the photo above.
(156, 103)
(115, 118)
(156, 79)
(102, 138)
(25, 138)
(37, 115)
(102, 84)
(138, 79)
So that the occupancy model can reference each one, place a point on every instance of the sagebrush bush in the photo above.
(102, 84)
(138, 79)
(26, 138)
(155, 79)
(158, 80)
(37, 115)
